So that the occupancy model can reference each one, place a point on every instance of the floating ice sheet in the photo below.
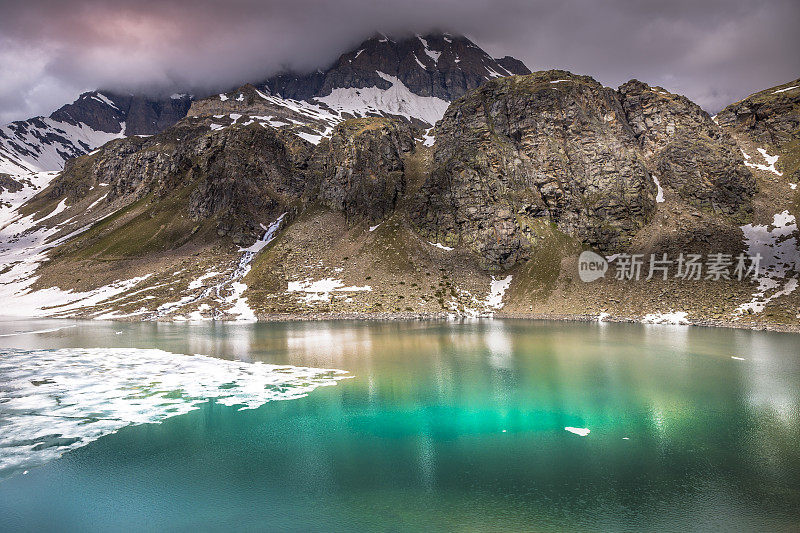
(52, 401)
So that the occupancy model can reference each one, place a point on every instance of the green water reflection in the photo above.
(447, 427)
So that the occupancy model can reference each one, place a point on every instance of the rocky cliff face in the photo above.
(412, 79)
(107, 110)
(770, 117)
(530, 150)
(686, 151)
(511, 159)
(522, 173)
(768, 120)
(245, 175)
(240, 176)
(362, 167)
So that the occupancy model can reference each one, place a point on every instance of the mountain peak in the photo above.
(440, 65)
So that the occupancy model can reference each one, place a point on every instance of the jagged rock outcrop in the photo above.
(241, 176)
(511, 158)
(256, 105)
(770, 117)
(246, 175)
(7, 183)
(769, 120)
(142, 115)
(686, 150)
(362, 167)
(526, 150)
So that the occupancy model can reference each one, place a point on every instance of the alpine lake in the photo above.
(483, 425)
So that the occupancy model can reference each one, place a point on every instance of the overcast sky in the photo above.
(713, 51)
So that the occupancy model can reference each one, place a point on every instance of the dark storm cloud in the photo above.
(713, 51)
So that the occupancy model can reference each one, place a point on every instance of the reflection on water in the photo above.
(448, 426)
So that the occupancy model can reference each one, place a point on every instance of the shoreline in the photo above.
(449, 317)
(410, 316)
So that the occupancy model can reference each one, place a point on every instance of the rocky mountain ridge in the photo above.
(256, 205)
(413, 77)
(439, 65)
(45, 143)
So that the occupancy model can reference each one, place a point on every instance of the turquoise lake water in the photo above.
(442, 427)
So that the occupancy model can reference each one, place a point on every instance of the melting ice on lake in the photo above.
(52, 401)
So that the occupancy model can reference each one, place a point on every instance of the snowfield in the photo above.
(397, 100)
(41, 154)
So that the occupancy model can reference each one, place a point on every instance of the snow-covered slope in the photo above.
(45, 143)
(397, 100)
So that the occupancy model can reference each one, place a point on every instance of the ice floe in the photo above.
(578, 431)
(58, 400)
(36, 331)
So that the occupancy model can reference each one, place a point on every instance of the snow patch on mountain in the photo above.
(673, 317)
(769, 159)
(320, 290)
(397, 100)
(43, 144)
(497, 290)
(31, 183)
(786, 89)
(777, 246)
(659, 190)
(433, 54)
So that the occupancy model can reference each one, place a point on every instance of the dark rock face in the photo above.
(511, 159)
(362, 167)
(686, 150)
(550, 147)
(105, 111)
(94, 109)
(770, 117)
(148, 116)
(242, 176)
(248, 175)
(441, 65)
(7, 183)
